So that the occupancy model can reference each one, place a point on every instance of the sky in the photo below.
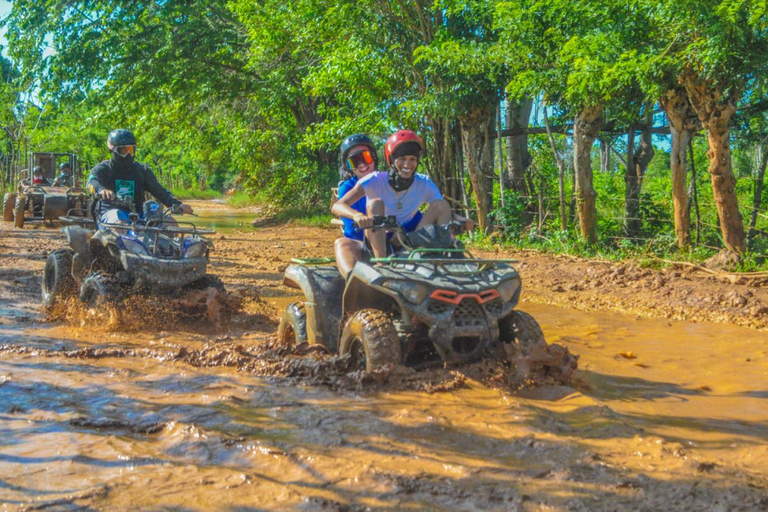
(5, 8)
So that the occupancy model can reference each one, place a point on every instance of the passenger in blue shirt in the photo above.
(358, 159)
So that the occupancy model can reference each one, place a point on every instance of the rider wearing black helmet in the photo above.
(123, 177)
(64, 179)
(358, 160)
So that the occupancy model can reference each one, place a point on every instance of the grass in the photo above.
(304, 218)
(191, 193)
(243, 199)
(296, 215)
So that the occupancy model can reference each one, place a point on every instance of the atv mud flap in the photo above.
(163, 273)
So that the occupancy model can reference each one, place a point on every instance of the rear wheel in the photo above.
(58, 282)
(292, 330)
(370, 338)
(18, 211)
(100, 289)
(9, 203)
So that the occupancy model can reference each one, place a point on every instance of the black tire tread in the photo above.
(18, 211)
(208, 281)
(64, 284)
(522, 329)
(295, 316)
(9, 205)
(107, 286)
(379, 336)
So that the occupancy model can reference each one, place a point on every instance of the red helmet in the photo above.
(397, 139)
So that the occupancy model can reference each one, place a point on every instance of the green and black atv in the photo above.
(430, 300)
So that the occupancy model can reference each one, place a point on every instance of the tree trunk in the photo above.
(442, 156)
(476, 141)
(762, 160)
(694, 190)
(560, 173)
(682, 121)
(605, 156)
(518, 157)
(715, 113)
(638, 164)
(586, 126)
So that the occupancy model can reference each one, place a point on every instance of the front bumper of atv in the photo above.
(163, 273)
(461, 330)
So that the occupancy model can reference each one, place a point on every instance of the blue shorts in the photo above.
(411, 225)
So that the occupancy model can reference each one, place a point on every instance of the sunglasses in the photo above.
(358, 159)
(126, 150)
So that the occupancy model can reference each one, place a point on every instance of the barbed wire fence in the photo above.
(657, 220)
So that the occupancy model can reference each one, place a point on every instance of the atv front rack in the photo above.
(313, 261)
(176, 229)
(413, 258)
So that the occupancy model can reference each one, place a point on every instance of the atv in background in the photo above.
(430, 300)
(45, 203)
(152, 253)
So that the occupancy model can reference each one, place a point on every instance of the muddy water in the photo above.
(223, 221)
(665, 416)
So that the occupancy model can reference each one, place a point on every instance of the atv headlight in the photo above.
(131, 245)
(412, 292)
(508, 289)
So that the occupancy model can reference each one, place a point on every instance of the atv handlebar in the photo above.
(390, 223)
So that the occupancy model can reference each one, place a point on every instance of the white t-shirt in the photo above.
(405, 204)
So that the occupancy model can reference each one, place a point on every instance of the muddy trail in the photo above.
(149, 410)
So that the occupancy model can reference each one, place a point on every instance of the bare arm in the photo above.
(343, 207)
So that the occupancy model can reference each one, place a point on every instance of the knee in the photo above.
(340, 245)
(376, 207)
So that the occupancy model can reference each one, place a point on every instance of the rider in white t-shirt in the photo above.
(400, 192)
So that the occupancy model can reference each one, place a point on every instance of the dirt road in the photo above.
(160, 413)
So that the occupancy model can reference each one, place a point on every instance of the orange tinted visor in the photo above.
(358, 159)
(126, 150)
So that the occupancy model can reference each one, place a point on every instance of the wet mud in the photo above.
(154, 408)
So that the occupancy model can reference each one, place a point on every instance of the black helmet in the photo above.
(37, 170)
(65, 165)
(121, 137)
(358, 139)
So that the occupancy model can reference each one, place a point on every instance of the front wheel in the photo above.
(100, 289)
(18, 211)
(208, 281)
(527, 350)
(522, 331)
(9, 203)
(58, 282)
(371, 340)
(292, 330)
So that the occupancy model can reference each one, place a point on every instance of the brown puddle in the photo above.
(100, 419)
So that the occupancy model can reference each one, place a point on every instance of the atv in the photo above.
(45, 203)
(430, 300)
(41, 203)
(113, 261)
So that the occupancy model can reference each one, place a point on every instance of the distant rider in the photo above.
(64, 179)
(38, 178)
(358, 159)
(400, 192)
(122, 177)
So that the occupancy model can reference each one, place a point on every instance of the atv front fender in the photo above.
(323, 288)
